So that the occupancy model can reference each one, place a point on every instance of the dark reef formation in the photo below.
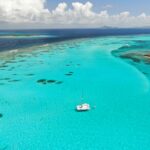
(45, 81)
(1, 115)
(69, 73)
(137, 54)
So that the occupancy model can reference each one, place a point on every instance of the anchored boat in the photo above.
(83, 107)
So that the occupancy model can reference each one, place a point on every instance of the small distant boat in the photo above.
(83, 107)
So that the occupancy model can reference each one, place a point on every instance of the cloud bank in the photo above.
(34, 13)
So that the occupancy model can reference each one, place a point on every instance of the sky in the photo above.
(134, 6)
(74, 14)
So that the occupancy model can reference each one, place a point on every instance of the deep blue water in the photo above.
(13, 39)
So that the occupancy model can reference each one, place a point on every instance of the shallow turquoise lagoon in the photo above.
(41, 86)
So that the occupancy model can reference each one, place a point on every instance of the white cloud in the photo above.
(33, 13)
(22, 10)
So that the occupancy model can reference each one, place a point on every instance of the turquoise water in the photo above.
(39, 114)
